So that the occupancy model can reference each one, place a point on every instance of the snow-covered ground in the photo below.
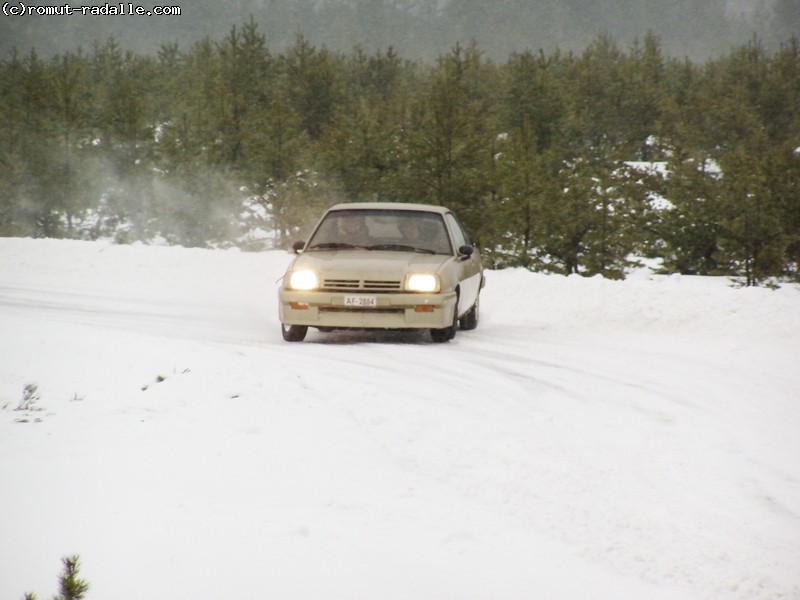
(591, 439)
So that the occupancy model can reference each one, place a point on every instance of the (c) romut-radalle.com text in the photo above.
(21, 9)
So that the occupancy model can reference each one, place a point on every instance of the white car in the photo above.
(383, 266)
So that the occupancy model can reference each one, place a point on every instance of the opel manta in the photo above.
(383, 266)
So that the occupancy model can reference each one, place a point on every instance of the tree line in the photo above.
(570, 162)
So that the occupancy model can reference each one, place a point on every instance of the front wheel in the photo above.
(447, 333)
(470, 320)
(294, 333)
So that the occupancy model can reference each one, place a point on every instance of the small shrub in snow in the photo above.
(30, 396)
(71, 587)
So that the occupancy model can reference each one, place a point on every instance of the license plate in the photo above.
(361, 301)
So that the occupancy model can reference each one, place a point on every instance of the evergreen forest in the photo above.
(579, 161)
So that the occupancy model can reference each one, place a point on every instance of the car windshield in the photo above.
(381, 229)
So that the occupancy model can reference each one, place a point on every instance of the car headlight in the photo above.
(303, 280)
(422, 282)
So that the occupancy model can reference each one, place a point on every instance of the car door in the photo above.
(469, 269)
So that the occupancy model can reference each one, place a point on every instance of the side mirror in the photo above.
(465, 251)
(298, 247)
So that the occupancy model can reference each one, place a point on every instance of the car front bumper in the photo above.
(391, 311)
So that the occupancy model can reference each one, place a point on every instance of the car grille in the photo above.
(365, 285)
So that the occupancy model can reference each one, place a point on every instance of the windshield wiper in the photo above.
(400, 248)
(334, 246)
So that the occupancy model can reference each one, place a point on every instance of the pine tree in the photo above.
(532, 114)
(244, 95)
(782, 173)
(752, 236)
(688, 228)
(70, 585)
(71, 105)
(15, 194)
(589, 219)
(359, 147)
(33, 146)
(518, 207)
(448, 142)
(313, 86)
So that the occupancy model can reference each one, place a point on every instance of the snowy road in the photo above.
(591, 439)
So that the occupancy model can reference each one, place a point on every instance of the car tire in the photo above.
(470, 320)
(448, 333)
(294, 333)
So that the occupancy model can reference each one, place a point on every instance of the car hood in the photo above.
(369, 264)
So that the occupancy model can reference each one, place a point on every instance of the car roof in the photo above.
(389, 206)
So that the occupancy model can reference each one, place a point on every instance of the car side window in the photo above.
(460, 237)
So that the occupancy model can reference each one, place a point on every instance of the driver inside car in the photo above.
(353, 230)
